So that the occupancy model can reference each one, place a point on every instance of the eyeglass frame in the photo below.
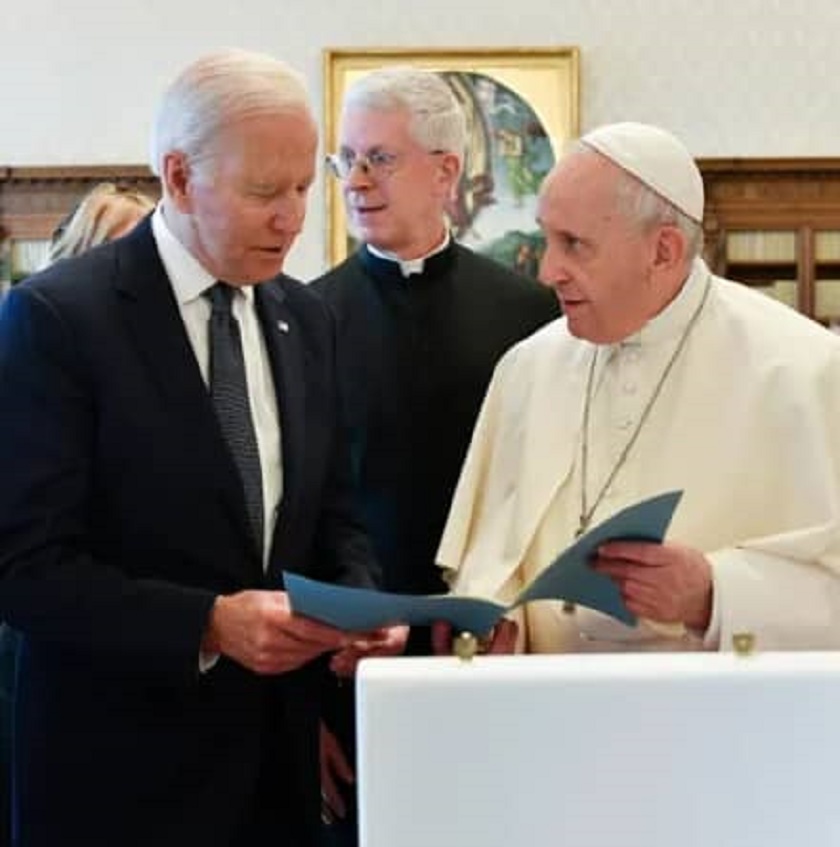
(376, 163)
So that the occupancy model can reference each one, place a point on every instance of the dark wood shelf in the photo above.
(762, 270)
(34, 199)
(799, 195)
(796, 195)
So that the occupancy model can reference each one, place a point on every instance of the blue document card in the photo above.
(568, 578)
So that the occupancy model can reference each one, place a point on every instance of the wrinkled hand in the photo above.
(334, 768)
(388, 641)
(258, 630)
(663, 582)
(502, 638)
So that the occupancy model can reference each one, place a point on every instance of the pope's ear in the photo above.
(671, 248)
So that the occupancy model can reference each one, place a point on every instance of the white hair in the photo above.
(218, 89)
(436, 120)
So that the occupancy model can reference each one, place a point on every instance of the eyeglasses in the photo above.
(378, 164)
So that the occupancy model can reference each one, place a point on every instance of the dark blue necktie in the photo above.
(229, 392)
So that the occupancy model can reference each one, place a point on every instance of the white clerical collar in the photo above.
(411, 266)
(671, 321)
(188, 277)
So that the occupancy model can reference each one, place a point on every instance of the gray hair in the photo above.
(214, 91)
(642, 205)
(436, 120)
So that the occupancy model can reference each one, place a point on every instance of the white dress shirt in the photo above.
(189, 282)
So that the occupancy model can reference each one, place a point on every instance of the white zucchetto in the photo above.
(655, 157)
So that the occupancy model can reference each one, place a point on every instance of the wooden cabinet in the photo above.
(34, 200)
(774, 224)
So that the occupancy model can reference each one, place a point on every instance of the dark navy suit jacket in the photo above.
(121, 518)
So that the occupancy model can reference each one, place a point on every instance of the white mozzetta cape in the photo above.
(747, 425)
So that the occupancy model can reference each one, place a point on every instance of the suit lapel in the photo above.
(284, 342)
(153, 321)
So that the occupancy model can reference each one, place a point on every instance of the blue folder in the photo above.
(569, 577)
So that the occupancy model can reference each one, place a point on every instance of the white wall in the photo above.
(80, 79)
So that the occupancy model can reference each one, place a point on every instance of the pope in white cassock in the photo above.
(660, 376)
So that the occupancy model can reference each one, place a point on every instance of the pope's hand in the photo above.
(668, 582)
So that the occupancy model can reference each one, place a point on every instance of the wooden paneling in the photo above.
(765, 202)
(34, 200)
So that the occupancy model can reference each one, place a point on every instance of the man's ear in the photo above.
(449, 173)
(176, 177)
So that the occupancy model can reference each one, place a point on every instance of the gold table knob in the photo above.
(743, 643)
(465, 646)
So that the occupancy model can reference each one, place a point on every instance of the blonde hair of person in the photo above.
(105, 213)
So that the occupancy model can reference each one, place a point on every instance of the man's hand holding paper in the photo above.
(386, 641)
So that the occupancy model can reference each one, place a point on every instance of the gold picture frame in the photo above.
(519, 101)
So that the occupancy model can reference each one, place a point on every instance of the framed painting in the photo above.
(521, 106)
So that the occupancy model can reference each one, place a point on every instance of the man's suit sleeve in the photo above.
(52, 585)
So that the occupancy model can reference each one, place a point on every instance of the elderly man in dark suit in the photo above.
(169, 445)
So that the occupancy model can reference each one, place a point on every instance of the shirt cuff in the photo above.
(711, 637)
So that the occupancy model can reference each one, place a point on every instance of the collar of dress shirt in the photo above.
(411, 266)
(189, 278)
